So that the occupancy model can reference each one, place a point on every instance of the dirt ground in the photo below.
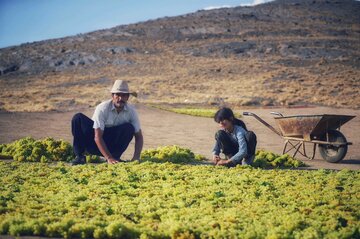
(166, 128)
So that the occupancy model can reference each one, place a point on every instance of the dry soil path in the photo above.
(166, 128)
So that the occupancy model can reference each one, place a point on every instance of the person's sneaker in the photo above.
(79, 160)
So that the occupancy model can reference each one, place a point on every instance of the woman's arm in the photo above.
(238, 157)
(216, 152)
(216, 149)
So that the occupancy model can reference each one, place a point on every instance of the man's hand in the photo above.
(112, 161)
(216, 159)
(102, 146)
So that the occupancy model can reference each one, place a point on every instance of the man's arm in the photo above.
(102, 146)
(139, 142)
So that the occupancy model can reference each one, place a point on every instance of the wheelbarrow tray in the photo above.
(310, 127)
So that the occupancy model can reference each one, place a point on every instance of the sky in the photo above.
(23, 21)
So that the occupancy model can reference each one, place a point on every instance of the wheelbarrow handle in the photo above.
(263, 122)
(277, 113)
(247, 113)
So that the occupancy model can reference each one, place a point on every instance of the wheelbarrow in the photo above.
(322, 130)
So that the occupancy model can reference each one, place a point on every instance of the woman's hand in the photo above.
(223, 162)
(216, 159)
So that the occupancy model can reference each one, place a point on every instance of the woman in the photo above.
(230, 140)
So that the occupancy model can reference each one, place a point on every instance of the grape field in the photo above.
(167, 200)
(171, 193)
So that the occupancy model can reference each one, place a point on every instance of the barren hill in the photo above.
(278, 53)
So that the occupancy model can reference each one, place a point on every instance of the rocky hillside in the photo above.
(295, 52)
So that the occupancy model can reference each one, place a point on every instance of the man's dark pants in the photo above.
(116, 138)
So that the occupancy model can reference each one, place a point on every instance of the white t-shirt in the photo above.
(105, 116)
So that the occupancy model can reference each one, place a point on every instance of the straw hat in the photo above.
(121, 86)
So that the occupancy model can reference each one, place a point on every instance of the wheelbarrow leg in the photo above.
(297, 148)
(314, 150)
(304, 151)
(286, 143)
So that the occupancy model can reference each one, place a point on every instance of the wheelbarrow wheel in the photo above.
(333, 153)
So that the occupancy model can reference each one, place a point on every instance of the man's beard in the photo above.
(120, 104)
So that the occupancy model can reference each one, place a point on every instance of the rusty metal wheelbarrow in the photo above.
(321, 130)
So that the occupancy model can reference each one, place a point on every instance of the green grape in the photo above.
(43, 159)
(151, 200)
(37, 228)
(100, 233)
(81, 230)
(261, 163)
(265, 159)
(270, 157)
(46, 150)
(179, 200)
(4, 227)
(173, 154)
(19, 230)
(93, 159)
(116, 230)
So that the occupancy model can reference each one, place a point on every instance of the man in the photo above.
(111, 129)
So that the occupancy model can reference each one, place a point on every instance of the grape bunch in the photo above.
(94, 159)
(264, 159)
(42, 150)
(173, 154)
(47, 150)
